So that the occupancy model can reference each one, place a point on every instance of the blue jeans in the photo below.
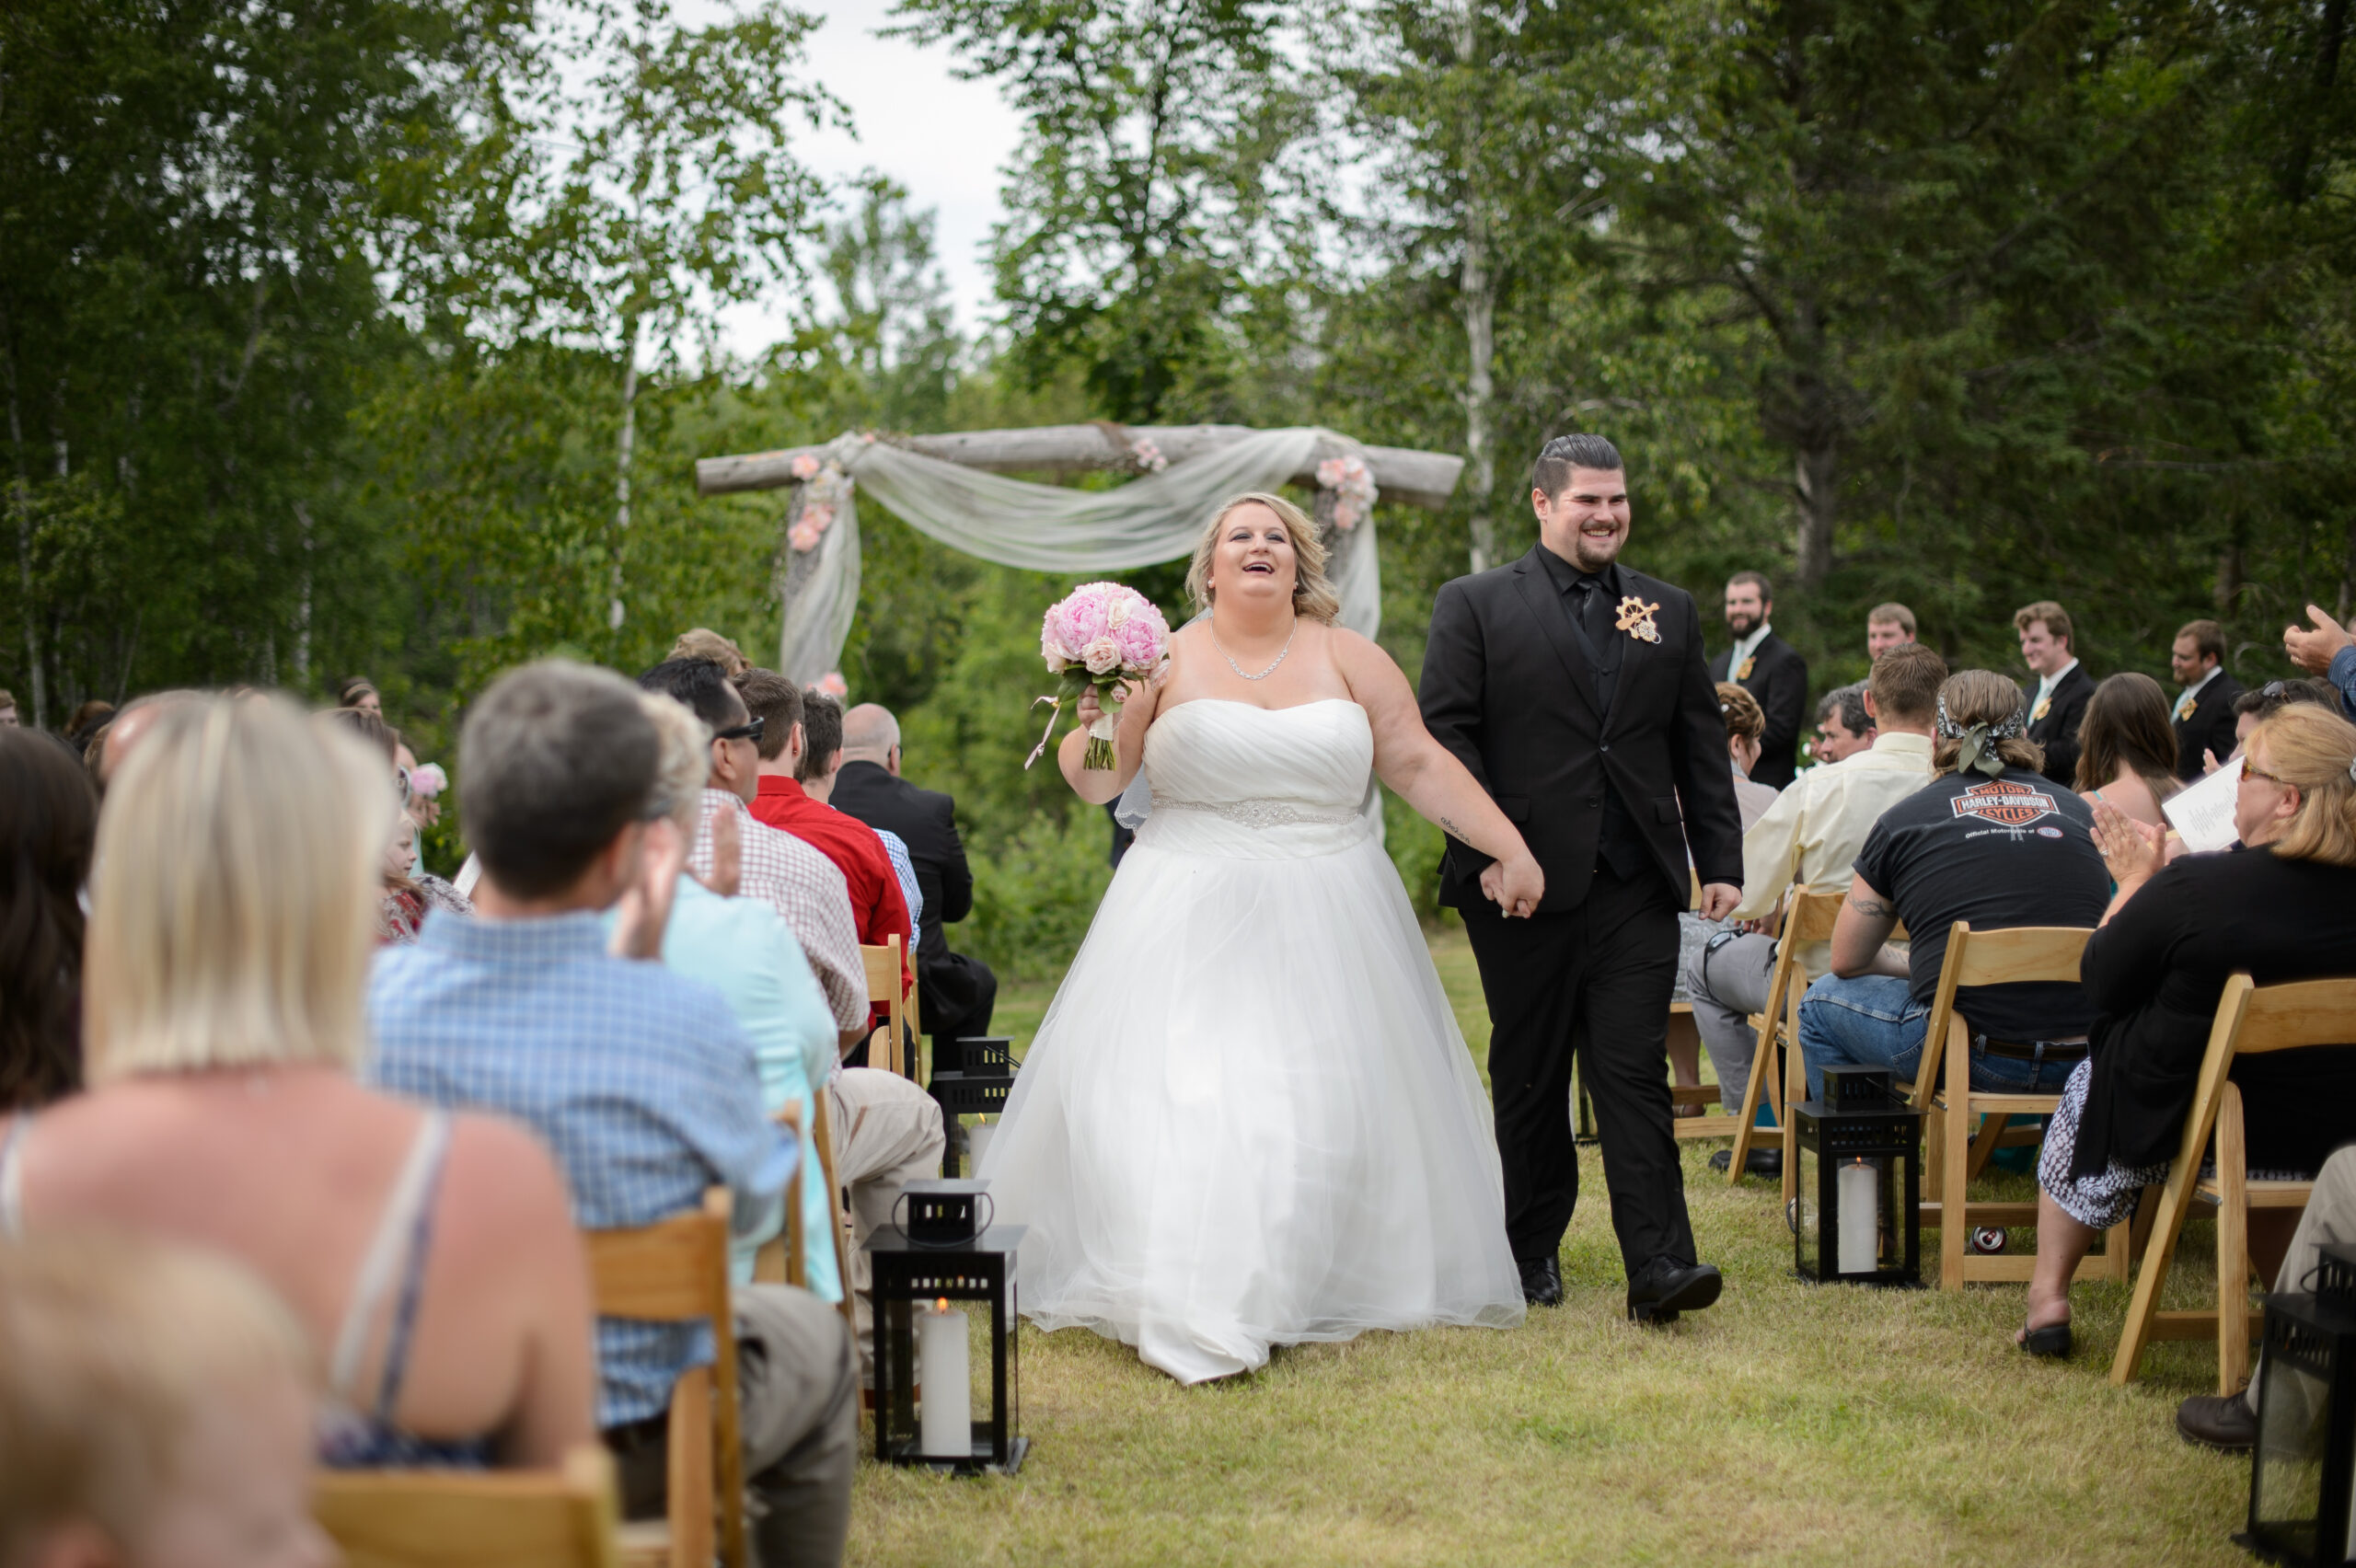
(1871, 1022)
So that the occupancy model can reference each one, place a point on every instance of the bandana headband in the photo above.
(1977, 753)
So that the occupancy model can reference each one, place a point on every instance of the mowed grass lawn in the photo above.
(1788, 1424)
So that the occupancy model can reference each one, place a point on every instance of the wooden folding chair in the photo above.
(675, 1270)
(564, 1518)
(883, 987)
(2250, 1020)
(1957, 1151)
(784, 1257)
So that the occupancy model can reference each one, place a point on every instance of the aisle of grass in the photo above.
(1786, 1425)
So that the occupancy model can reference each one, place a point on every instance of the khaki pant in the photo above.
(2331, 1220)
(887, 1134)
(799, 1416)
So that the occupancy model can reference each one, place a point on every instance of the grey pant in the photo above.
(798, 1404)
(2331, 1220)
(887, 1134)
(1729, 982)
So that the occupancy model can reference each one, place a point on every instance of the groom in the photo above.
(1577, 692)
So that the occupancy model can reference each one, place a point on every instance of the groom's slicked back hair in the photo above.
(1567, 452)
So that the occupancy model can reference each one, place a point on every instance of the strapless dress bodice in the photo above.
(1259, 783)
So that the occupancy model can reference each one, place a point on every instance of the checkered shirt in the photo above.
(806, 887)
(905, 869)
(640, 1082)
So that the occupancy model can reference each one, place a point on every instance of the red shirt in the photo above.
(877, 906)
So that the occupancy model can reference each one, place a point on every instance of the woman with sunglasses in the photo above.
(2282, 906)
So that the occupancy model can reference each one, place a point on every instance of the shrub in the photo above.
(1032, 900)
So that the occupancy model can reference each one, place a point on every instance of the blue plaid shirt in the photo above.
(905, 869)
(641, 1083)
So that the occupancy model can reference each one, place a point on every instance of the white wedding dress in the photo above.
(1248, 1118)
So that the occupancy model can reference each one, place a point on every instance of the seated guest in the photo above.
(797, 879)
(2203, 714)
(959, 993)
(2324, 648)
(1887, 626)
(700, 643)
(2230, 1421)
(640, 1080)
(49, 819)
(786, 751)
(2127, 749)
(410, 894)
(115, 744)
(822, 759)
(2058, 702)
(156, 1408)
(1745, 724)
(87, 719)
(2282, 908)
(432, 1258)
(1988, 840)
(2267, 701)
(1811, 834)
(1843, 728)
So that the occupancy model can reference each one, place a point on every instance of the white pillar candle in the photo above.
(977, 1140)
(1860, 1217)
(946, 1410)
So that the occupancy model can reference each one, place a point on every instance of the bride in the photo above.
(1248, 1118)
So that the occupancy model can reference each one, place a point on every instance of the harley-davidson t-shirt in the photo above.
(2018, 850)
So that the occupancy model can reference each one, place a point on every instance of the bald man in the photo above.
(956, 994)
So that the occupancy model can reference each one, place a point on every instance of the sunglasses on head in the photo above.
(751, 731)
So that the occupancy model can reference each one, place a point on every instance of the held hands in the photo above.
(2134, 851)
(1719, 900)
(2311, 648)
(1515, 886)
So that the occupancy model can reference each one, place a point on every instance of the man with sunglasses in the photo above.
(799, 881)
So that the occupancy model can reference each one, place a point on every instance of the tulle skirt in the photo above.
(1248, 1119)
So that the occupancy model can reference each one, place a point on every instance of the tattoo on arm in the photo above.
(1871, 908)
(1448, 825)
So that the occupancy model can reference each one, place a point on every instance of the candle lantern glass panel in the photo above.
(1859, 1211)
(2303, 1474)
(979, 1089)
(932, 1289)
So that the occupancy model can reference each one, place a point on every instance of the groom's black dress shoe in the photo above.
(1767, 1163)
(1541, 1282)
(1665, 1287)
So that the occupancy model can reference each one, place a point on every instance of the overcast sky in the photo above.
(945, 139)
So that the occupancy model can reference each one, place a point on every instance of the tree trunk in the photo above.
(2348, 571)
(2230, 576)
(1479, 287)
(302, 603)
(1814, 482)
(615, 612)
(22, 499)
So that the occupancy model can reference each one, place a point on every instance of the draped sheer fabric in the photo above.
(1050, 527)
(1248, 1118)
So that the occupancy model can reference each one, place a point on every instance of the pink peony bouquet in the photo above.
(1099, 635)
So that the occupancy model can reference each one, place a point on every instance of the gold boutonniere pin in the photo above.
(1636, 619)
(2184, 708)
(2044, 706)
(1747, 666)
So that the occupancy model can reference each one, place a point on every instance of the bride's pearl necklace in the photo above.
(1272, 668)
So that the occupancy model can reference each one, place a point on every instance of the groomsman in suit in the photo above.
(1577, 692)
(2204, 709)
(1771, 669)
(2057, 704)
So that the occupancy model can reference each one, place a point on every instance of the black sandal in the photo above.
(2053, 1339)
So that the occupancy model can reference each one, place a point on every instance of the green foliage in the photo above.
(1034, 898)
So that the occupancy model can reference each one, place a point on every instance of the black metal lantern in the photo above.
(944, 1253)
(1859, 1216)
(2303, 1476)
(980, 1091)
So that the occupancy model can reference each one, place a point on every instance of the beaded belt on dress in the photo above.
(1256, 814)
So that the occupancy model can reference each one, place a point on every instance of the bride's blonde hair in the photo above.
(1312, 592)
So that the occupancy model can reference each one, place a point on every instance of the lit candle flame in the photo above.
(940, 1305)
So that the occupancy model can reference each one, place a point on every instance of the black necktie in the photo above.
(1589, 603)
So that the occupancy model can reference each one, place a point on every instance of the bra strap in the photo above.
(394, 1227)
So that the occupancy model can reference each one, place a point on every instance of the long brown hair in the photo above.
(1982, 696)
(49, 821)
(2127, 726)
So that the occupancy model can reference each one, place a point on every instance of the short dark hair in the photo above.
(1849, 701)
(2056, 619)
(777, 703)
(821, 735)
(1766, 589)
(2207, 636)
(1563, 454)
(698, 684)
(1905, 682)
(556, 758)
(2275, 695)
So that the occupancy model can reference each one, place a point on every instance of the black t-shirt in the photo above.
(1998, 852)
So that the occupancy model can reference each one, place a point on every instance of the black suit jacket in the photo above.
(2058, 730)
(1779, 680)
(926, 821)
(2211, 728)
(1507, 687)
